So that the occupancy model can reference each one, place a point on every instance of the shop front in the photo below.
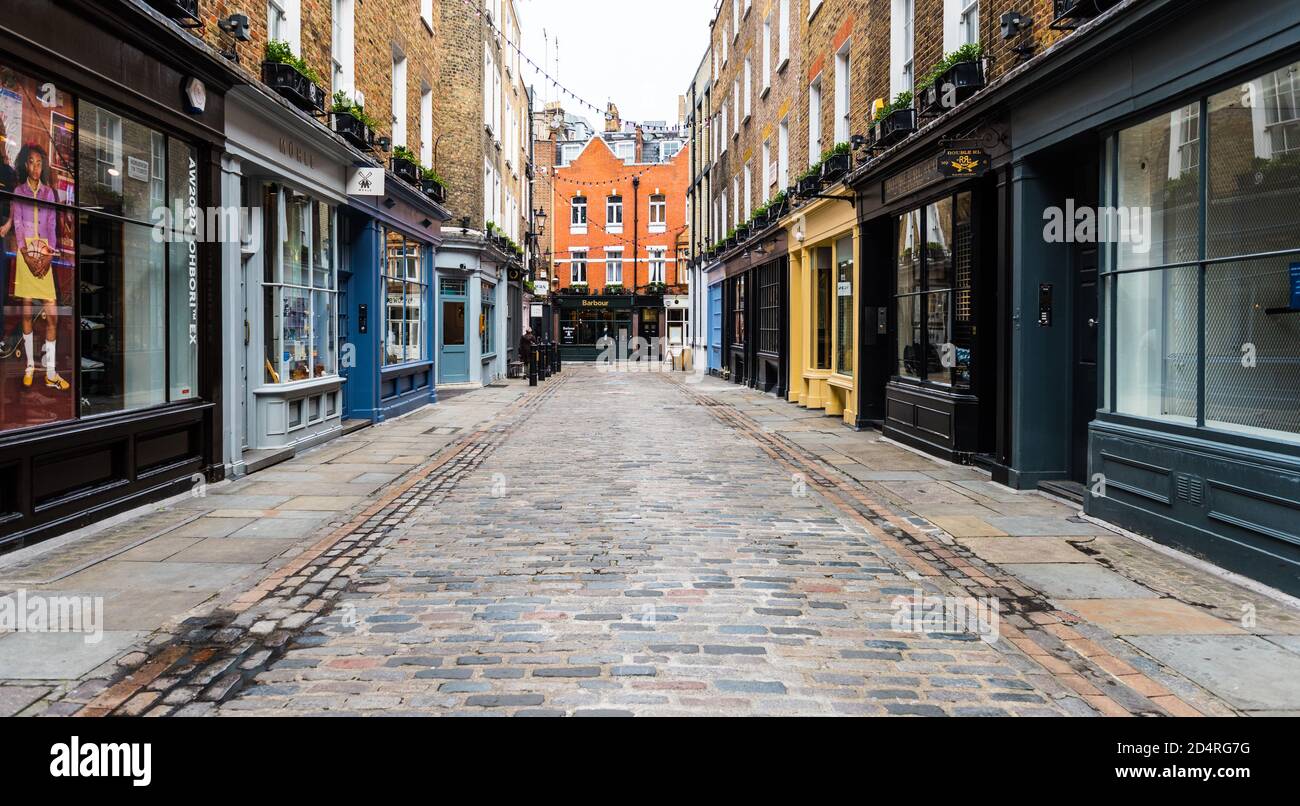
(824, 287)
(472, 276)
(591, 325)
(929, 296)
(109, 364)
(387, 301)
(1188, 427)
(756, 299)
(287, 174)
(713, 339)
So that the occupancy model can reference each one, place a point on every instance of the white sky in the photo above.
(641, 54)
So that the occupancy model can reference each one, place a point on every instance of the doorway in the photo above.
(648, 330)
(453, 341)
(1085, 325)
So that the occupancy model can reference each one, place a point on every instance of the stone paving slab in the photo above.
(1246, 670)
(1077, 580)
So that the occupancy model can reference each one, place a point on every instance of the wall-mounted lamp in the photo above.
(384, 143)
(1013, 22)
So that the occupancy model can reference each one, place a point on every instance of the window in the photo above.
(614, 213)
(815, 121)
(902, 46)
(405, 289)
(769, 308)
(783, 41)
(783, 154)
(578, 215)
(426, 124)
(822, 314)
(842, 97)
(766, 64)
(844, 306)
(657, 262)
(626, 151)
(342, 47)
(569, 152)
(487, 320)
(1165, 276)
(277, 21)
(613, 266)
(969, 22)
(813, 5)
(426, 12)
(749, 87)
(768, 172)
(738, 311)
(578, 267)
(933, 292)
(735, 102)
(399, 97)
(658, 213)
(735, 200)
(749, 191)
(298, 286)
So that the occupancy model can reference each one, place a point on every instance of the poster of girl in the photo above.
(37, 237)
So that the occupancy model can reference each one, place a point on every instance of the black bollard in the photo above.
(532, 365)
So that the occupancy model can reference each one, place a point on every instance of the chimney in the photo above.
(612, 121)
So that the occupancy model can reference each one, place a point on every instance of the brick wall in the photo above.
(602, 174)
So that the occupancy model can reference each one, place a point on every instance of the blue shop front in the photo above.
(386, 305)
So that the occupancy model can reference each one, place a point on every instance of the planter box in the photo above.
(350, 128)
(893, 127)
(405, 169)
(835, 166)
(434, 189)
(1079, 9)
(965, 78)
(777, 211)
(808, 185)
(297, 88)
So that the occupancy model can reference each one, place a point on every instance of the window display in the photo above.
(933, 300)
(87, 256)
(299, 287)
(405, 289)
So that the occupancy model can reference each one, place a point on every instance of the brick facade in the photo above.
(597, 174)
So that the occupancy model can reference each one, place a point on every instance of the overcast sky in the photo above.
(639, 54)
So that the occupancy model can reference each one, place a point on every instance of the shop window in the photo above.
(99, 263)
(404, 277)
(844, 306)
(934, 288)
(822, 311)
(738, 302)
(299, 287)
(486, 329)
(769, 308)
(1239, 277)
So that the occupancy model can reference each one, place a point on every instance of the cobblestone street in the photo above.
(529, 552)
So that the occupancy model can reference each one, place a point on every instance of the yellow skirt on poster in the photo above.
(28, 285)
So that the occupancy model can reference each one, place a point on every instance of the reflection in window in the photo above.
(405, 286)
(299, 287)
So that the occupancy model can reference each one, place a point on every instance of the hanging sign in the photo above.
(365, 180)
(964, 162)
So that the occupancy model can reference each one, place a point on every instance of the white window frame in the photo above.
(902, 46)
(578, 266)
(783, 154)
(398, 95)
(843, 97)
(968, 20)
(658, 261)
(658, 212)
(614, 210)
(766, 64)
(749, 87)
(343, 46)
(768, 173)
(613, 264)
(426, 13)
(578, 215)
(783, 38)
(748, 174)
(813, 6)
(815, 120)
(426, 124)
(735, 101)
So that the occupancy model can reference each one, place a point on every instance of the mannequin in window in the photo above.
(36, 233)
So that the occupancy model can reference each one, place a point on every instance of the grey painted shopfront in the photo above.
(1158, 364)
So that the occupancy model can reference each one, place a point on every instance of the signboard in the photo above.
(542, 287)
(568, 334)
(964, 162)
(365, 180)
(137, 168)
(1295, 286)
(844, 289)
(536, 310)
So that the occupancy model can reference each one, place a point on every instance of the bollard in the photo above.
(532, 365)
(558, 365)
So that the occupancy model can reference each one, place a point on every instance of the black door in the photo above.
(649, 332)
(1085, 356)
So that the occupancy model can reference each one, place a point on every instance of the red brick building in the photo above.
(619, 226)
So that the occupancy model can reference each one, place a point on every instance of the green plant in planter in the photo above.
(345, 105)
(432, 175)
(614, 288)
(901, 101)
(404, 153)
(971, 52)
(279, 52)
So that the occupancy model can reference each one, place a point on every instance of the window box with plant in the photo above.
(405, 165)
(433, 185)
(656, 289)
(894, 121)
(291, 77)
(576, 289)
(352, 123)
(958, 76)
(809, 182)
(778, 207)
(742, 232)
(835, 163)
(1066, 12)
(611, 290)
